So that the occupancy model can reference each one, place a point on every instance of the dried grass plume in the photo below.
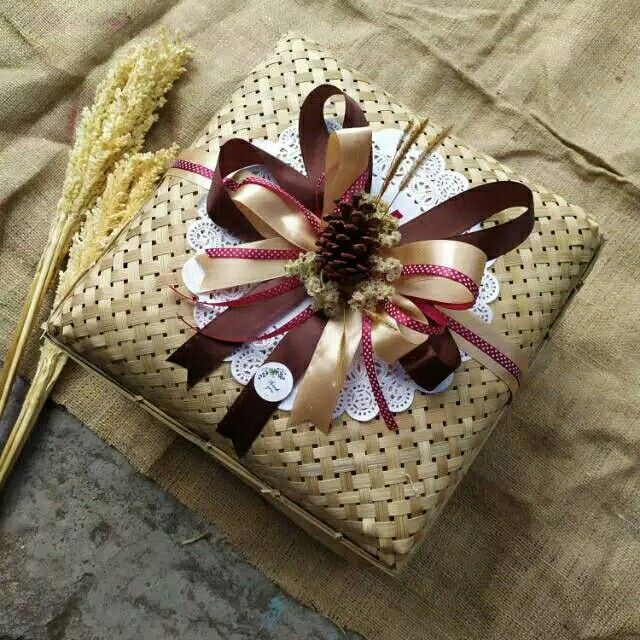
(106, 182)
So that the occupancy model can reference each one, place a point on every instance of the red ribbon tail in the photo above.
(367, 357)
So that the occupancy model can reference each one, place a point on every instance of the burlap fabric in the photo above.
(542, 536)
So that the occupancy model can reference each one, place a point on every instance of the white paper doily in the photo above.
(431, 185)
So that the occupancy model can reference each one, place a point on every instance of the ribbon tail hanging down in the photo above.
(202, 353)
(323, 381)
(248, 414)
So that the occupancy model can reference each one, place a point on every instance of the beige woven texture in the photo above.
(381, 489)
(541, 538)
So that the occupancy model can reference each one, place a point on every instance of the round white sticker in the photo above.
(273, 381)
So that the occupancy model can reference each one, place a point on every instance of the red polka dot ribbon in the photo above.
(370, 366)
(442, 319)
(487, 348)
(358, 186)
(187, 165)
(441, 271)
(407, 321)
(287, 284)
(248, 253)
(298, 319)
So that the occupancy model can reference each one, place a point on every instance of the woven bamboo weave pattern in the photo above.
(379, 488)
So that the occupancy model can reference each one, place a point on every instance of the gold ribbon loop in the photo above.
(347, 158)
(272, 215)
(202, 273)
(451, 254)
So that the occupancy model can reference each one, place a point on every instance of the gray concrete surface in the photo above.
(90, 549)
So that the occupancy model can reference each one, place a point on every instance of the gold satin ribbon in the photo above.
(220, 273)
(453, 254)
(324, 378)
(270, 215)
(347, 158)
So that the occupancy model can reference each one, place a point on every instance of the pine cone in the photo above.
(348, 243)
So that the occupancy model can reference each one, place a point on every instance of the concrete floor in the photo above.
(90, 549)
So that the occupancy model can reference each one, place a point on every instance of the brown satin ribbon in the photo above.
(201, 354)
(237, 154)
(248, 414)
(449, 220)
(433, 361)
(463, 211)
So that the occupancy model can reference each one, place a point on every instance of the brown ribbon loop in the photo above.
(453, 217)
(314, 136)
(237, 154)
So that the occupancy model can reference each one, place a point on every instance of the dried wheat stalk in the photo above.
(114, 126)
(105, 160)
(128, 187)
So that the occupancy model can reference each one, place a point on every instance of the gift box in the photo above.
(360, 448)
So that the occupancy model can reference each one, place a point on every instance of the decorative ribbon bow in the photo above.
(421, 323)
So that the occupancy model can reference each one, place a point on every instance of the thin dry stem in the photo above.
(392, 171)
(54, 252)
(114, 126)
(409, 141)
(50, 365)
(421, 158)
(129, 186)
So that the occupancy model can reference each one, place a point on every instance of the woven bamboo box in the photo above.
(369, 493)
